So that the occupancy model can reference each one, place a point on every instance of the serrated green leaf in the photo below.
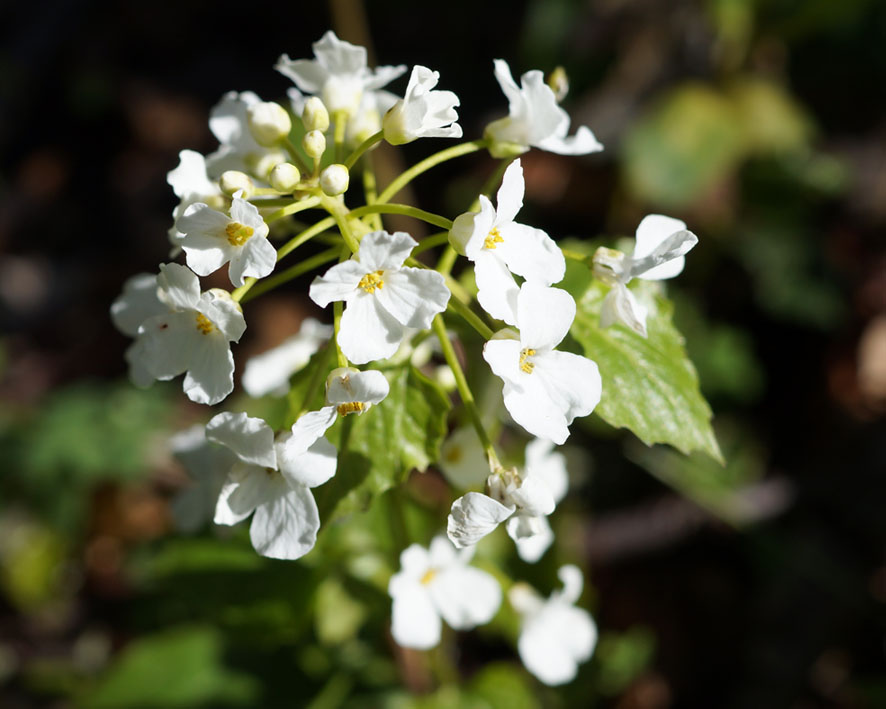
(649, 384)
(377, 449)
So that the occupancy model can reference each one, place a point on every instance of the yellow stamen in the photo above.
(371, 281)
(493, 238)
(238, 234)
(204, 324)
(350, 408)
(428, 577)
(525, 363)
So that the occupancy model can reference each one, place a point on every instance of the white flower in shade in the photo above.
(499, 246)
(193, 336)
(555, 636)
(212, 239)
(190, 182)
(339, 74)
(385, 301)
(422, 112)
(544, 390)
(437, 583)
(208, 465)
(534, 119)
(348, 391)
(138, 302)
(272, 478)
(269, 372)
(659, 253)
(238, 150)
(462, 459)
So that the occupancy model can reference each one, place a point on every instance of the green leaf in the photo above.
(649, 384)
(378, 448)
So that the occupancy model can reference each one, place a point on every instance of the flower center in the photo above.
(204, 324)
(238, 234)
(428, 577)
(371, 281)
(350, 407)
(526, 364)
(494, 237)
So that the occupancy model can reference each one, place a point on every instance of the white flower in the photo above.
(229, 123)
(348, 391)
(422, 113)
(544, 390)
(190, 182)
(212, 239)
(193, 336)
(499, 246)
(659, 253)
(534, 119)
(438, 583)
(208, 465)
(338, 75)
(269, 372)
(272, 478)
(385, 300)
(555, 636)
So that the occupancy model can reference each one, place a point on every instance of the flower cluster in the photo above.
(236, 205)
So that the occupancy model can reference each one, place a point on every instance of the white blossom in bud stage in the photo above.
(361, 124)
(348, 391)
(534, 119)
(339, 74)
(422, 112)
(191, 183)
(268, 122)
(238, 149)
(334, 180)
(314, 115)
(284, 177)
(213, 239)
(384, 300)
(207, 465)
(269, 372)
(555, 635)
(272, 477)
(499, 246)
(660, 253)
(437, 583)
(193, 337)
(544, 389)
(234, 181)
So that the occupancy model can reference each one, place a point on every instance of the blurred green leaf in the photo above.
(621, 657)
(772, 121)
(337, 616)
(180, 668)
(31, 560)
(503, 685)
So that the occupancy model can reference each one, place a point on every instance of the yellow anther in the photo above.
(493, 238)
(238, 234)
(351, 407)
(525, 363)
(204, 324)
(428, 577)
(371, 281)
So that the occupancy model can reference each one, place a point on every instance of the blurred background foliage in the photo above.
(759, 583)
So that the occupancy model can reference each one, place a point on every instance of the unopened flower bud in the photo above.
(559, 83)
(268, 122)
(314, 115)
(233, 180)
(609, 265)
(284, 177)
(334, 180)
(314, 144)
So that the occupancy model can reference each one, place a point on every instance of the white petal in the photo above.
(200, 218)
(137, 357)
(204, 253)
(286, 526)
(509, 199)
(166, 343)
(463, 460)
(465, 596)
(481, 224)
(370, 387)
(651, 233)
(314, 424)
(311, 467)
(414, 620)
(250, 438)
(256, 258)
(531, 548)
(210, 376)
(544, 315)
(414, 562)
(178, 287)
(380, 250)
(190, 178)
(246, 213)
(270, 371)
(573, 583)
(224, 312)
(413, 296)
(473, 516)
(571, 384)
(497, 290)
(442, 555)
(583, 142)
(667, 259)
(555, 640)
(223, 512)
(367, 332)
(533, 498)
(532, 254)
(621, 306)
(547, 465)
(338, 283)
(247, 487)
(508, 86)
(503, 357)
(137, 303)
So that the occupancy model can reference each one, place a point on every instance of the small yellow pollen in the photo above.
(238, 234)
(204, 324)
(371, 281)
(525, 363)
(493, 238)
(428, 577)
(350, 408)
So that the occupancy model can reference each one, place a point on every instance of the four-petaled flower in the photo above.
(385, 300)
(422, 112)
(499, 246)
(534, 119)
(437, 583)
(272, 478)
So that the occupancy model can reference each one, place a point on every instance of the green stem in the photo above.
(278, 279)
(429, 242)
(464, 391)
(335, 206)
(292, 208)
(371, 192)
(447, 261)
(318, 376)
(456, 306)
(405, 210)
(296, 158)
(337, 309)
(448, 154)
(362, 148)
(341, 123)
(304, 236)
